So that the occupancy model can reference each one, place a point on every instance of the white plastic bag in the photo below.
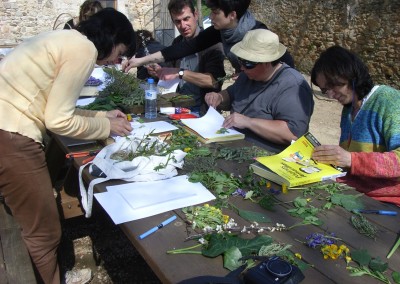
(141, 168)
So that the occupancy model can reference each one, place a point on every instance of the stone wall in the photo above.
(371, 28)
(21, 19)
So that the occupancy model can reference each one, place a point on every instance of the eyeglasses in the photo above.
(247, 64)
(331, 86)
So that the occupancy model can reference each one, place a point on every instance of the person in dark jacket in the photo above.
(146, 44)
(231, 20)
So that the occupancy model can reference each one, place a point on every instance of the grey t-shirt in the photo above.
(288, 97)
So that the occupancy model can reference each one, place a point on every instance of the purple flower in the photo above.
(239, 192)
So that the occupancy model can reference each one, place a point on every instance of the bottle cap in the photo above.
(150, 80)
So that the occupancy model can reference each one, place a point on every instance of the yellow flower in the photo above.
(268, 185)
(225, 218)
(348, 259)
(297, 255)
(187, 149)
(284, 188)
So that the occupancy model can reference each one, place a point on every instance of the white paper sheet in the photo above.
(142, 129)
(84, 102)
(133, 201)
(208, 125)
(169, 86)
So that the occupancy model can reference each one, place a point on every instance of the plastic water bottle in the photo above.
(150, 110)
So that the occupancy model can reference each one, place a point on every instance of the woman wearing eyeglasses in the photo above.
(369, 146)
(231, 20)
(270, 102)
(40, 82)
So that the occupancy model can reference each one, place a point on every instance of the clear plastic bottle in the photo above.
(150, 110)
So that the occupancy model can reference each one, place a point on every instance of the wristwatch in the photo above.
(180, 73)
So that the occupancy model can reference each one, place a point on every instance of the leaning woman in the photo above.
(40, 82)
(370, 125)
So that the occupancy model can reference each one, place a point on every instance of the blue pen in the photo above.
(380, 212)
(152, 230)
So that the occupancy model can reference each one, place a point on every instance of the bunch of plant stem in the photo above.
(369, 266)
(146, 147)
(241, 154)
(121, 90)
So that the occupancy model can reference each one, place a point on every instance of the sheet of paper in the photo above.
(169, 86)
(208, 125)
(142, 129)
(84, 102)
(133, 201)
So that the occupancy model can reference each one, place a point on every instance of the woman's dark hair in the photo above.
(106, 29)
(227, 6)
(339, 63)
(89, 8)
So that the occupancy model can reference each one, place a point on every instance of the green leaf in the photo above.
(219, 243)
(377, 265)
(362, 257)
(396, 277)
(254, 216)
(351, 204)
(300, 202)
(231, 258)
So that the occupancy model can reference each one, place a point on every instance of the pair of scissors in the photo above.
(90, 154)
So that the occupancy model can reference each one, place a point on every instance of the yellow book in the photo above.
(208, 128)
(294, 166)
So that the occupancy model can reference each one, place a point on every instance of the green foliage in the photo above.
(254, 216)
(373, 267)
(232, 258)
(241, 154)
(363, 226)
(221, 183)
(349, 202)
(219, 243)
(121, 90)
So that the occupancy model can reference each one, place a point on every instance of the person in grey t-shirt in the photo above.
(270, 102)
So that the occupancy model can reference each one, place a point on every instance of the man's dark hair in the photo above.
(227, 6)
(176, 6)
(106, 29)
(337, 62)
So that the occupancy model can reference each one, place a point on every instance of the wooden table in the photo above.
(175, 268)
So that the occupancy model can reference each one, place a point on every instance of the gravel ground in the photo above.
(99, 244)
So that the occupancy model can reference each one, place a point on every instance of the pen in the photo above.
(152, 230)
(379, 212)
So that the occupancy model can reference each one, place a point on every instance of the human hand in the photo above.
(120, 126)
(115, 113)
(128, 64)
(152, 69)
(167, 73)
(236, 120)
(213, 99)
(332, 154)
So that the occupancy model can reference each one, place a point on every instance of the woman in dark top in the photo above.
(231, 21)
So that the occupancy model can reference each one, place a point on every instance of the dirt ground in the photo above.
(100, 245)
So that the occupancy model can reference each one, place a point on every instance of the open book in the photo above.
(208, 128)
(294, 166)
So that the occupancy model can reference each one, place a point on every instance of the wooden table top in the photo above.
(174, 268)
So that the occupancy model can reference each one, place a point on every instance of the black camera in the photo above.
(273, 270)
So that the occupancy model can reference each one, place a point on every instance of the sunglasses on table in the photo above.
(247, 64)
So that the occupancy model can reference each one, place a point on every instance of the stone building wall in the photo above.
(21, 19)
(369, 27)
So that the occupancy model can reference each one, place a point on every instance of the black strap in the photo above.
(276, 75)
